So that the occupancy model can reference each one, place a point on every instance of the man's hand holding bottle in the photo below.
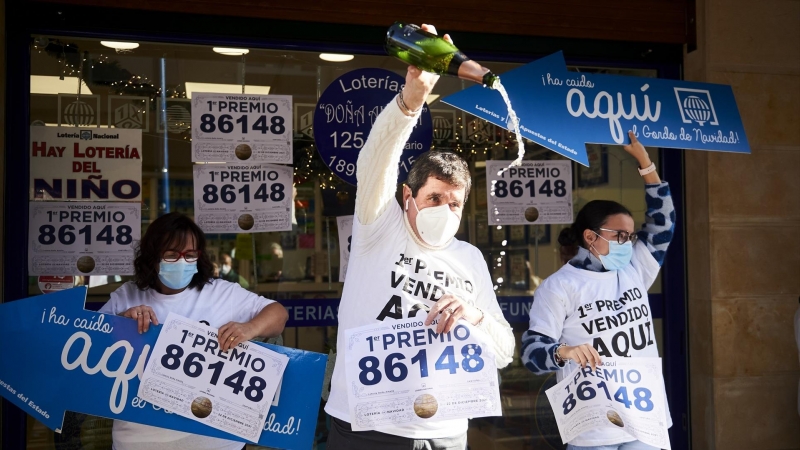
(418, 82)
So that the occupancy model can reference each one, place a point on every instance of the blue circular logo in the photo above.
(346, 112)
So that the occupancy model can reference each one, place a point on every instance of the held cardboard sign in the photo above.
(66, 358)
(564, 110)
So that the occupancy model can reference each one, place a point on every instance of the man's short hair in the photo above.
(444, 166)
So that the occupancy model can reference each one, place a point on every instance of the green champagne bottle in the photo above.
(431, 53)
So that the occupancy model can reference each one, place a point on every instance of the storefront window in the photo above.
(81, 82)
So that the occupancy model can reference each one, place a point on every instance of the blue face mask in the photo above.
(619, 255)
(176, 275)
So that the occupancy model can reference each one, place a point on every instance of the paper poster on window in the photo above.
(82, 238)
(242, 198)
(622, 393)
(189, 375)
(537, 192)
(85, 164)
(242, 128)
(345, 225)
(402, 372)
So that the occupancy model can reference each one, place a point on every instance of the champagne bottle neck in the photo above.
(467, 69)
(491, 80)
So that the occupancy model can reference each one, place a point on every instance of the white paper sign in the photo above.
(85, 164)
(537, 192)
(345, 225)
(623, 393)
(246, 127)
(231, 391)
(242, 198)
(82, 238)
(401, 372)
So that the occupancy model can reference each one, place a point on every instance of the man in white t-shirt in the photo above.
(405, 262)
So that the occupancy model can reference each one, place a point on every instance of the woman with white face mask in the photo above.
(609, 277)
(172, 273)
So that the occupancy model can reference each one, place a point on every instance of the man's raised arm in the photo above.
(379, 158)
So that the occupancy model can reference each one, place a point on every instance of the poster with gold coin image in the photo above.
(189, 375)
(403, 372)
(622, 394)
(242, 198)
(536, 192)
(246, 128)
(82, 238)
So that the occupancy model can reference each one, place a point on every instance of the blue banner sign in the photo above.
(66, 358)
(324, 312)
(516, 309)
(564, 110)
(316, 312)
(346, 112)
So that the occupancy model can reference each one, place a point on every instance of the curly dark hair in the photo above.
(442, 165)
(169, 232)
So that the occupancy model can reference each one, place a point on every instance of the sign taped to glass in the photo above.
(83, 238)
(242, 198)
(246, 127)
(85, 164)
(535, 192)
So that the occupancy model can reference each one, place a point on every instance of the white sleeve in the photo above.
(108, 308)
(378, 162)
(548, 312)
(645, 264)
(372, 236)
(494, 323)
(247, 304)
(116, 303)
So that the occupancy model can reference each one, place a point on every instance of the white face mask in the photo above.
(225, 269)
(436, 225)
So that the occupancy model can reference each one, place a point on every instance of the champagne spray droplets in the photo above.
(513, 122)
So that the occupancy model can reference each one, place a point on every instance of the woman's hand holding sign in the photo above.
(637, 150)
(584, 355)
(233, 333)
(451, 308)
(144, 315)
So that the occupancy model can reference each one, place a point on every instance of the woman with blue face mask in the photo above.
(596, 305)
(172, 273)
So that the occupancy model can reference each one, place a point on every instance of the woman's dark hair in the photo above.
(169, 232)
(591, 217)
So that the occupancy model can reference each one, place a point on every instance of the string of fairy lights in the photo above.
(480, 141)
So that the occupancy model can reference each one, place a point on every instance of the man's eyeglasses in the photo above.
(623, 236)
(174, 256)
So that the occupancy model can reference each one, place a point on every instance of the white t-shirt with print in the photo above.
(607, 310)
(388, 278)
(215, 305)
